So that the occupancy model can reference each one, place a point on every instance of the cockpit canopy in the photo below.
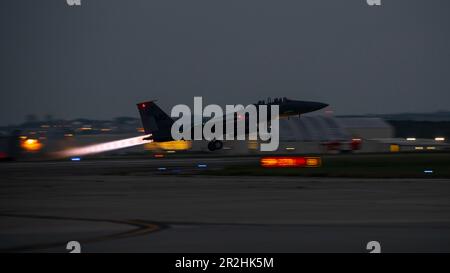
(272, 101)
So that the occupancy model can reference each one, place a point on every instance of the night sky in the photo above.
(98, 60)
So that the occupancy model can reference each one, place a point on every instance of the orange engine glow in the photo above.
(31, 145)
(290, 162)
(177, 145)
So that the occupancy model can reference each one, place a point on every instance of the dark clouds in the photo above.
(98, 60)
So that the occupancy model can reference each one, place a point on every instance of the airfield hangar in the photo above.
(320, 134)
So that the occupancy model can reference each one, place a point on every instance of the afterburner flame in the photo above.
(105, 147)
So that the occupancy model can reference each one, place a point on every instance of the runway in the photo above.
(132, 206)
(121, 166)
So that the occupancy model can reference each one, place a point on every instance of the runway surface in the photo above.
(133, 206)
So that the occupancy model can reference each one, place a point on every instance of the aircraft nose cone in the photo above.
(319, 105)
(302, 107)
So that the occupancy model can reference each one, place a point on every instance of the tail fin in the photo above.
(155, 121)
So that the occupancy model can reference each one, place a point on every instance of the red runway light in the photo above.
(356, 143)
(289, 162)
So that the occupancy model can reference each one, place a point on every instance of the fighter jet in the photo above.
(158, 124)
(290, 107)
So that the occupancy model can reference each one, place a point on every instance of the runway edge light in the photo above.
(290, 162)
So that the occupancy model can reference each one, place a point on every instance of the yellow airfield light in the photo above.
(31, 145)
(394, 148)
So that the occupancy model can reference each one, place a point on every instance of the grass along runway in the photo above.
(405, 165)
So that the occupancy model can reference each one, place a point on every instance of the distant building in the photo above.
(318, 134)
(367, 128)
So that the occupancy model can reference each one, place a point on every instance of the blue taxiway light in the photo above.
(162, 169)
(428, 171)
(202, 165)
(75, 159)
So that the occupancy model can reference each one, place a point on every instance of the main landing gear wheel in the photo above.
(215, 145)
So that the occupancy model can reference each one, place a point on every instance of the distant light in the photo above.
(31, 141)
(289, 161)
(439, 139)
(143, 105)
(411, 139)
(75, 159)
(171, 152)
(312, 161)
(202, 165)
(162, 169)
(31, 145)
(356, 143)
(394, 148)
(158, 155)
(68, 135)
(431, 148)
(428, 171)
(418, 148)
(252, 144)
(290, 148)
